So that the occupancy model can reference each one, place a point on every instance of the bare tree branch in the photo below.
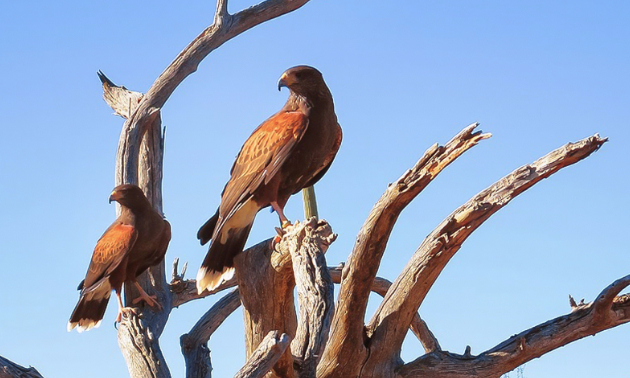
(529, 344)
(388, 325)
(10, 369)
(346, 352)
(194, 344)
(269, 351)
(123, 101)
(139, 161)
(307, 243)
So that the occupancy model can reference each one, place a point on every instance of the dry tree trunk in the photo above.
(329, 340)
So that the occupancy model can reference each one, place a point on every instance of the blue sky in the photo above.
(404, 75)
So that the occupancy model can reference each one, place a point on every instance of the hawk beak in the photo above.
(114, 196)
(284, 81)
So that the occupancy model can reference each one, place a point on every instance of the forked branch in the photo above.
(395, 313)
(346, 352)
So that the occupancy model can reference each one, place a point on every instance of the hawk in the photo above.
(290, 151)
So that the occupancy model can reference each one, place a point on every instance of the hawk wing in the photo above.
(110, 251)
(260, 158)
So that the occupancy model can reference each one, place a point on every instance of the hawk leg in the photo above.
(283, 219)
(151, 300)
(122, 309)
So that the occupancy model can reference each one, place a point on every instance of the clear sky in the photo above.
(404, 75)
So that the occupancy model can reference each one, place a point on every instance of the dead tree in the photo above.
(330, 339)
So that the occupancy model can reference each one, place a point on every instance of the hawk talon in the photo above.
(286, 224)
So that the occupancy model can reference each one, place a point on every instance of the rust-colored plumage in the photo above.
(136, 240)
(288, 152)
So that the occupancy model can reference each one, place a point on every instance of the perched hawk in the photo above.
(135, 241)
(288, 152)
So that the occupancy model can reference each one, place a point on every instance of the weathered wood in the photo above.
(9, 369)
(529, 344)
(388, 326)
(266, 355)
(346, 351)
(266, 283)
(194, 344)
(307, 242)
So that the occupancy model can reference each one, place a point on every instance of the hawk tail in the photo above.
(218, 266)
(205, 232)
(90, 310)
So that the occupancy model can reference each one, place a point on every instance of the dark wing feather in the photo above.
(260, 158)
(109, 252)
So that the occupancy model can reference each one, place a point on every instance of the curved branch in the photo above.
(194, 344)
(269, 351)
(527, 345)
(395, 313)
(10, 369)
(345, 351)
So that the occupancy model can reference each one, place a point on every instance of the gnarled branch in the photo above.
(529, 344)
(346, 352)
(418, 326)
(388, 325)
